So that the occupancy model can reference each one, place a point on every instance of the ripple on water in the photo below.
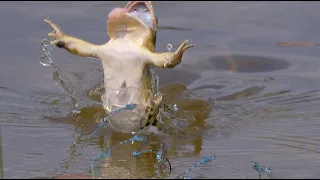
(23, 109)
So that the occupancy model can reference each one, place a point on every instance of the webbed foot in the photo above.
(175, 59)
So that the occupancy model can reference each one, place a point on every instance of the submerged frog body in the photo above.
(127, 59)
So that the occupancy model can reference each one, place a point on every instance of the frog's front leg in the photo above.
(72, 44)
(168, 59)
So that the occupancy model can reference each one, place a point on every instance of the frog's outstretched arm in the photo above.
(72, 44)
(168, 59)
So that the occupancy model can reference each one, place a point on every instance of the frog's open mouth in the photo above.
(139, 6)
(143, 11)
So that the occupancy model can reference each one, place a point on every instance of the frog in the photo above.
(127, 60)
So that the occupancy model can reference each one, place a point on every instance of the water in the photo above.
(251, 100)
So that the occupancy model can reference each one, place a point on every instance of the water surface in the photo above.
(251, 100)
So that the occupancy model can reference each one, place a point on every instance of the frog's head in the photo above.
(135, 22)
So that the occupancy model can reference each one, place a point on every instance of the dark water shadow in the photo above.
(248, 64)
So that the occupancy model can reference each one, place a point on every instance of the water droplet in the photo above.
(76, 111)
(175, 108)
(169, 47)
(44, 64)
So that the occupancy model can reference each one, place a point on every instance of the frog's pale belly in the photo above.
(123, 81)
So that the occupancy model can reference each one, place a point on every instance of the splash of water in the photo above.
(107, 154)
(46, 46)
(65, 79)
(267, 171)
(204, 160)
(169, 47)
(163, 165)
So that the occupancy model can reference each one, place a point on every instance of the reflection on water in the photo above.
(250, 100)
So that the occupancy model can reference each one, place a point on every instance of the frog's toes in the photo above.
(188, 46)
(53, 35)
